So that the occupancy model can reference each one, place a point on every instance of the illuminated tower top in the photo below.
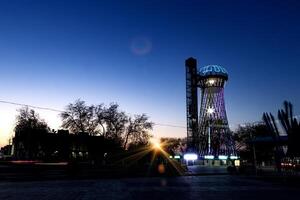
(213, 71)
(212, 76)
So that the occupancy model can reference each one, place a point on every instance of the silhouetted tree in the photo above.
(80, 118)
(173, 146)
(28, 119)
(101, 116)
(290, 126)
(29, 131)
(115, 122)
(137, 130)
(109, 122)
(244, 137)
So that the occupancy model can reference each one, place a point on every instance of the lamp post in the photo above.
(210, 111)
(254, 154)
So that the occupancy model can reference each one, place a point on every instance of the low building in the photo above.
(61, 145)
(6, 152)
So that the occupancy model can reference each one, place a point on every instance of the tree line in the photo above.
(269, 130)
(95, 120)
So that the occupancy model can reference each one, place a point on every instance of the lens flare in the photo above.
(156, 144)
(141, 46)
(161, 168)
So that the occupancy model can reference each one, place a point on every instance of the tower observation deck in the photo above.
(207, 127)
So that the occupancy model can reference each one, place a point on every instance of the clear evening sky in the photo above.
(133, 53)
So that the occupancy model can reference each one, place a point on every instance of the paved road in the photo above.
(207, 170)
(188, 187)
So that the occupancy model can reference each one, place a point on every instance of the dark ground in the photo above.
(200, 182)
(206, 170)
(186, 187)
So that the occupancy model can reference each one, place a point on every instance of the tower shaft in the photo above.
(192, 104)
(214, 131)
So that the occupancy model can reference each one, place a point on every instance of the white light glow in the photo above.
(177, 157)
(222, 157)
(209, 157)
(237, 163)
(190, 156)
(233, 157)
(211, 81)
(210, 110)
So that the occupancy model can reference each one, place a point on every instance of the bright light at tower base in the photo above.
(209, 157)
(233, 157)
(222, 157)
(190, 156)
(237, 163)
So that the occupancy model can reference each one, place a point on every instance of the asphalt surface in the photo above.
(185, 187)
(206, 170)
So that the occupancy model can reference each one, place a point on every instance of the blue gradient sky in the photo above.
(133, 52)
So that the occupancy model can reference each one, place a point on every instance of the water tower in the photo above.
(208, 132)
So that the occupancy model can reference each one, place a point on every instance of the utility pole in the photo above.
(254, 155)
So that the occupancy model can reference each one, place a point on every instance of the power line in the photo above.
(60, 111)
(30, 106)
(169, 125)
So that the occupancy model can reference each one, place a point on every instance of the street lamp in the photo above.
(190, 157)
(210, 111)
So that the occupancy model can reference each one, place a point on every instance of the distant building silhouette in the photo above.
(6, 151)
(60, 146)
